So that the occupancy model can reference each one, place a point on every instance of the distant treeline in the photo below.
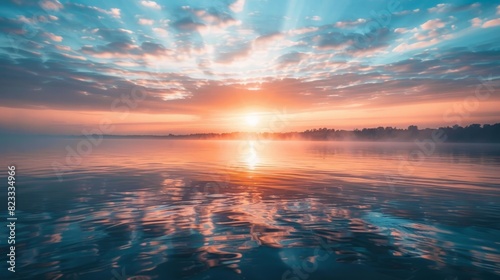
(474, 133)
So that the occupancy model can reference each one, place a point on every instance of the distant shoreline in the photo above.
(474, 133)
(276, 140)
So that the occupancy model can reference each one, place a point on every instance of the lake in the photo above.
(194, 209)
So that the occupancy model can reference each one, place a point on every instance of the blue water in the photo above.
(165, 209)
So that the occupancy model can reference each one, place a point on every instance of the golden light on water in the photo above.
(251, 157)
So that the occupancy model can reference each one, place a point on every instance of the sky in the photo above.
(180, 66)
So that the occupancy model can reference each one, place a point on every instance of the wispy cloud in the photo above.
(491, 23)
(151, 4)
(53, 5)
(53, 37)
(237, 6)
(144, 21)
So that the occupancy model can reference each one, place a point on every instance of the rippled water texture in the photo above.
(165, 209)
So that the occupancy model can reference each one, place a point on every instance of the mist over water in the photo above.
(180, 209)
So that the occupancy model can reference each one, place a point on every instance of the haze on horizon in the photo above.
(223, 66)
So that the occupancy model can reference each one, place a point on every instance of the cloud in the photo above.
(12, 26)
(269, 38)
(446, 8)
(113, 35)
(475, 5)
(314, 18)
(430, 33)
(237, 6)
(53, 37)
(450, 64)
(63, 48)
(433, 24)
(440, 8)
(93, 11)
(33, 20)
(154, 49)
(343, 24)
(333, 40)
(467, 7)
(407, 12)
(52, 5)
(215, 18)
(352, 43)
(245, 49)
(115, 12)
(144, 21)
(151, 4)
(401, 30)
(237, 53)
(303, 30)
(412, 46)
(292, 58)
(476, 22)
(491, 23)
(160, 31)
(146, 54)
(74, 56)
(498, 10)
(188, 24)
(72, 84)
(112, 50)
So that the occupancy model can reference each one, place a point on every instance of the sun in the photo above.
(252, 120)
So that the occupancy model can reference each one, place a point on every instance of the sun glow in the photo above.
(252, 120)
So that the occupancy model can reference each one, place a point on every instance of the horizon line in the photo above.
(249, 132)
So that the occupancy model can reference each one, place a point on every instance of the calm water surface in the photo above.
(167, 209)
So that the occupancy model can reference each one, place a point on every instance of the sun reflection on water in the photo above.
(251, 156)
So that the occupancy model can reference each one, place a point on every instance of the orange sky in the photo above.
(234, 119)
